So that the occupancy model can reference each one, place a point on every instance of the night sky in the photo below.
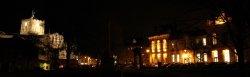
(87, 21)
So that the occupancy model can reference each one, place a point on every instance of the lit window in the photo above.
(158, 46)
(185, 58)
(189, 58)
(153, 46)
(164, 45)
(219, 21)
(215, 55)
(165, 56)
(204, 40)
(153, 58)
(214, 39)
(159, 57)
(236, 56)
(205, 57)
(198, 55)
(158, 50)
(178, 58)
(173, 58)
(226, 55)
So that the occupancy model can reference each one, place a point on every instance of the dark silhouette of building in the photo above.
(17, 54)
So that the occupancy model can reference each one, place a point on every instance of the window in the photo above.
(205, 57)
(178, 58)
(185, 58)
(214, 39)
(220, 19)
(215, 55)
(164, 45)
(204, 40)
(158, 46)
(153, 46)
(159, 57)
(198, 55)
(173, 58)
(152, 58)
(236, 56)
(226, 55)
(165, 57)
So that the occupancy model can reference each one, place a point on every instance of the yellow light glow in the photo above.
(178, 58)
(158, 50)
(153, 55)
(221, 19)
(173, 59)
(32, 26)
(164, 58)
(205, 57)
(147, 50)
(219, 22)
(37, 24)
(44, 66)
(198, 55)
(165, 55)
(158, 46)
(215, 55)
(153, 46)
(158, 55)
(25, 24)
(164, 50)
(185, 56)
(164, 45)
(152, 58)
(226, 55)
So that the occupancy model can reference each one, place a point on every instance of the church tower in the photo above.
(32, 26)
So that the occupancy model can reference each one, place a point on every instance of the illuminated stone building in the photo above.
(34, 47)
(32, 26)
(188, 49)
(159, 50)
(84, 60)
(209, 45)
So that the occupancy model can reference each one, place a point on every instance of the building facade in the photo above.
(32, 26)
(214, 45)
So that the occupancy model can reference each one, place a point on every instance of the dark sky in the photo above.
(87, 20)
